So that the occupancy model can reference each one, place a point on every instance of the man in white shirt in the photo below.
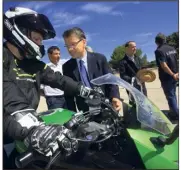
(54, 97)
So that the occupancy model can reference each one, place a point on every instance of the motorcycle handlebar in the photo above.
(27, 157)
(24, 159)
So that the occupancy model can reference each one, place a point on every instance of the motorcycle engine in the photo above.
(91, 131)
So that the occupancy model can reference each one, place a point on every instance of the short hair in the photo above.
(127, 43)
(75, 30)
(52, 48)
(160, 38)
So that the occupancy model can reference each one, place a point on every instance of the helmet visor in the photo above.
(36, 22)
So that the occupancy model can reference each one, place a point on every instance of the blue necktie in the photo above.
(83, 74)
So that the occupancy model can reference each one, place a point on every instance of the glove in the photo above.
(87, 92)
(47, 139)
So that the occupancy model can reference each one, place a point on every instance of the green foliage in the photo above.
(139, 53)
(118, 53)
(173, 40)
(144, 60)
(152, 64)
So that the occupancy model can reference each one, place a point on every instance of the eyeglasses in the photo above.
(73, 45)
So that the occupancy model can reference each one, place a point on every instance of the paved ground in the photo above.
(155, 94)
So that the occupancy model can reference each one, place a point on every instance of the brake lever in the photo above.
(109, 106)
(28, 157)
(24, 159)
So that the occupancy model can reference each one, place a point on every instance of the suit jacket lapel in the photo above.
(128, 59)
(135, 63)
(90, 65)
(131, 65)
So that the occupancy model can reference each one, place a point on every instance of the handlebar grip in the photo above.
(70, 124)
(24, 159)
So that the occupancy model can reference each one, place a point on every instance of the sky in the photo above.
(108, 24)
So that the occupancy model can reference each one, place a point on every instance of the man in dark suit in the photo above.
(129, 66)
(85, 66)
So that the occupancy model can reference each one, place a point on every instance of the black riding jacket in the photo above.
(21, 88)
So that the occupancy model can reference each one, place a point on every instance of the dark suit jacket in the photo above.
(128, 70)
(97, 66)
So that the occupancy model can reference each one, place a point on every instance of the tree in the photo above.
(152, 64)
(118, 54)
(144, 60)
(173, 40)
(139, 52)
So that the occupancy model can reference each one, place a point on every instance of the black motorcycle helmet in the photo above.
(18, 22)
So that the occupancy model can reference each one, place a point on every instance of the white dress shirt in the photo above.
(133, 78)
(131, 58)
(53, 91)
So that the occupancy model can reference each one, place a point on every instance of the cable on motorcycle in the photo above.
(52, 160)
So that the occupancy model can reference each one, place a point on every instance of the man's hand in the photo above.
(85, 92)
(116, 104)
(176, 77)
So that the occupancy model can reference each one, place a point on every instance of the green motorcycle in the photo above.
(142, 137)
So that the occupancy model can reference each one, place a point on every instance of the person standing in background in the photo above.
(54, 97)
(24, 31)
(128, 68)
(166, 59)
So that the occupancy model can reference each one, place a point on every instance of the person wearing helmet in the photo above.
(23, 72)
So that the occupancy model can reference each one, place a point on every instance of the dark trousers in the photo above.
(8, 153)
(54, 102)
(169, 89)
(5, 160)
